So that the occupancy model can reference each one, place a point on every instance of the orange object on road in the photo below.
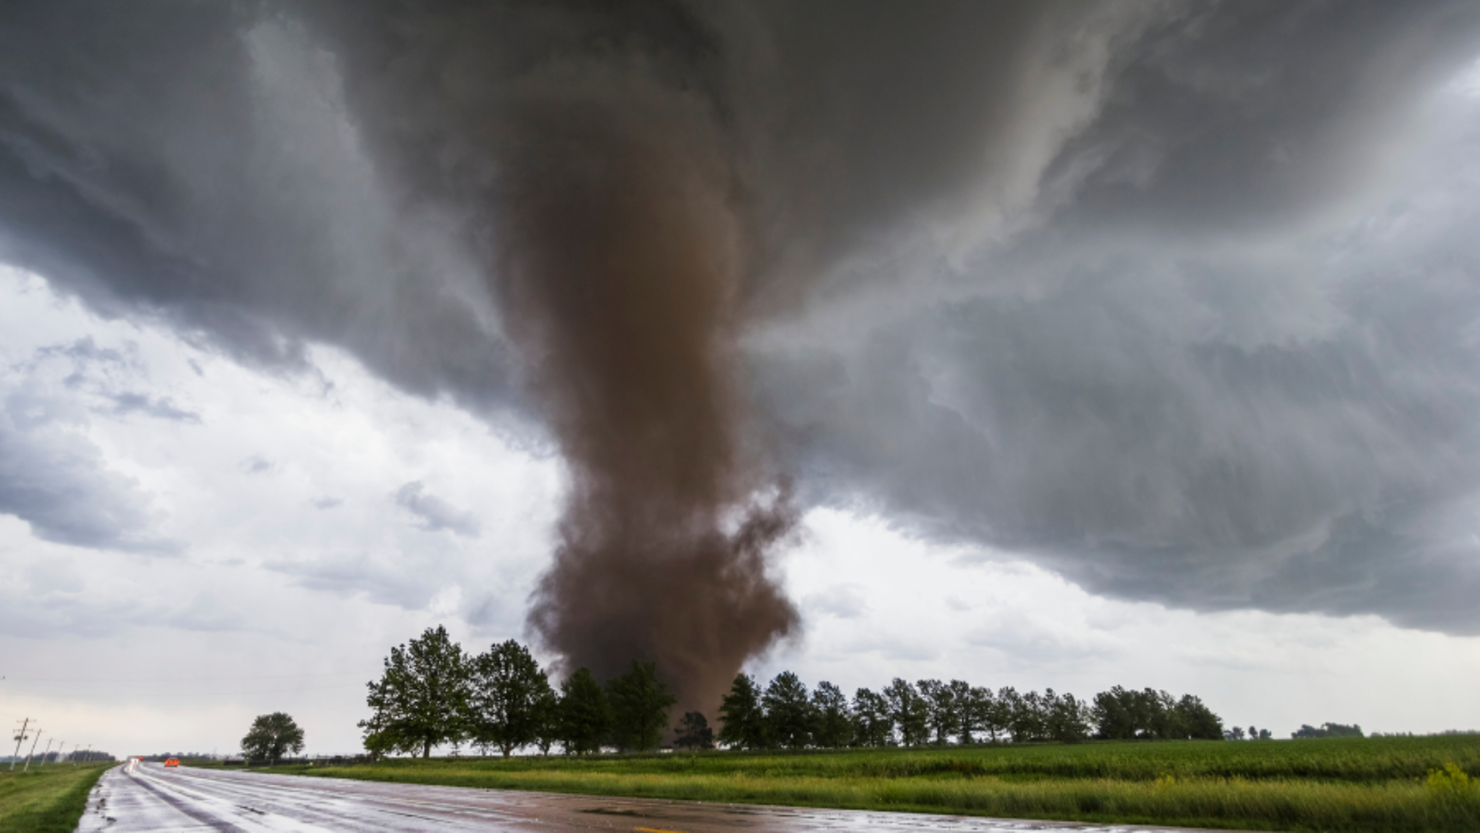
(172, 762)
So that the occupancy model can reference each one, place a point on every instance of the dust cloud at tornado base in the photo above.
(621, 263)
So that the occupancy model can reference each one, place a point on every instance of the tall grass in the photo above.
(48, 799)
(1337, 784)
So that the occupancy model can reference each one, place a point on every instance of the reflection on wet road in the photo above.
(148, 797)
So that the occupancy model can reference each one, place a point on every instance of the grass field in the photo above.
(1337, 785)
(47, 799)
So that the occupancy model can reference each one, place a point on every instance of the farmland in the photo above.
(46, 799)
(1342, 784)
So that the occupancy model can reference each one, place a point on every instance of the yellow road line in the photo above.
(655, 830)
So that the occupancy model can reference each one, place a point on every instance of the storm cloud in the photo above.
(1178, 300)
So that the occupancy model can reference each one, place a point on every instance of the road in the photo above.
(134, 798)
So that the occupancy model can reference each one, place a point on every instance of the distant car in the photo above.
(172, 762)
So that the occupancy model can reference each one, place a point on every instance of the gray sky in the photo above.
(1119, 344)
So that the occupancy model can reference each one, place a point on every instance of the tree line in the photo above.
(433, 693)
(785, 715)
(1327, 730)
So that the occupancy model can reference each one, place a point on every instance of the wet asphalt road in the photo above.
(135, 798)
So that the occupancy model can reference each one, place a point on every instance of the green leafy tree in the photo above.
(421, 699)
(743, 721)
(1002, 707)
(834, 723)
(978, 715)
(583, 716)
(693, 732)
(1164, 719)
(639, 706)
(1067, 717)
(789, 716)
(873, 725)
(1016, 714)
(910, 712)
(966, 728)
(1122, 714)
(271, 737)
(944, 714)
(547, 720)
(508, 698)
(1328, 730)
(1114, 715)
(1195, 721)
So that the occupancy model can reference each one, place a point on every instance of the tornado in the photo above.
(619, 257)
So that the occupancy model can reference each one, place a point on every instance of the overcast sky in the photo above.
(1121, 344)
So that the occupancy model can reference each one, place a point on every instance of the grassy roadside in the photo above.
(1378, 784)
(47, 799)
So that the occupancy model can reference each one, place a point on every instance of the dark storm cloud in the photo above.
(1078, 281)
(435, 513)
(194, 163)
(1187, 396)
(1248, 117)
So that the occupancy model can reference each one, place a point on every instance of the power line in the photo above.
(19, 737)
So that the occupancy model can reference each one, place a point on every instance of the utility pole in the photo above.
(47, 753)
(19, 737)
(35, 740)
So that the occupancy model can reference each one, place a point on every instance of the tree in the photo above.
(909, 712)
(1165, 721)
(1114, 715)
(1067, 719)
(788, 711)
(740, 712)
(979, 715)
(944, 716)
(834, 724)
(508, 698)
(1016, 713)
(1120, 714)
(1328, 730)
(547, 720)
(966, 726)
(873, 725)
(270, 737)
(639, 706)
(693, 732)
(1195, 721)
(583, 715)
(421, 699)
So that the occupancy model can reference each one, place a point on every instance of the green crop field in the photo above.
(1338, 784)
(47, 799)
